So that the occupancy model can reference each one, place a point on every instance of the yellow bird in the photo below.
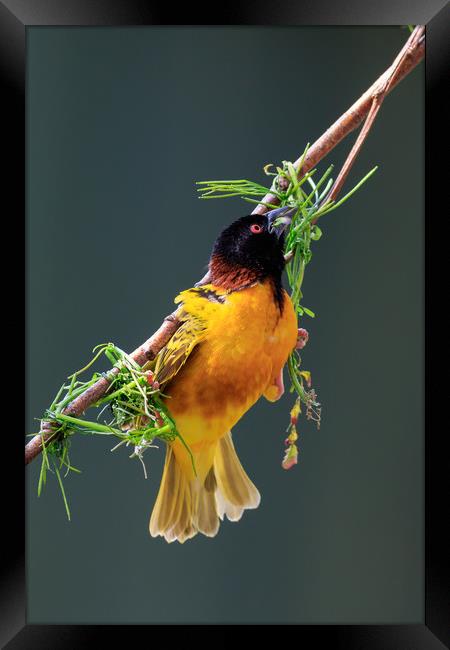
(238, 327)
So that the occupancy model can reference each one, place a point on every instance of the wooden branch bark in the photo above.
(411, 54)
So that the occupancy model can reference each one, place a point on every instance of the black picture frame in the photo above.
(15, 17)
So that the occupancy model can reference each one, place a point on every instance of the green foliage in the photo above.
(137, 414)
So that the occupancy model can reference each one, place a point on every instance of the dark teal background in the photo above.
(121, 123)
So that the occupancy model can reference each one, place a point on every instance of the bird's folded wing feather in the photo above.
(197, 305)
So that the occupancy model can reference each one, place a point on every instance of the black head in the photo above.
(253, 243)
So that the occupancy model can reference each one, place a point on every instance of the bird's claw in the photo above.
(302, 338)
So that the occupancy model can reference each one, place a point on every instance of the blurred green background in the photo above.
(121, 123)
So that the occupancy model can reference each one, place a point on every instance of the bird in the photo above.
(237, 329)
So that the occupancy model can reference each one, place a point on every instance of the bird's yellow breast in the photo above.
(246, 343)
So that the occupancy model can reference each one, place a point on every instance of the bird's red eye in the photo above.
(256, 228)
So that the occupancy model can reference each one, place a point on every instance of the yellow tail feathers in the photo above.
(186, 506)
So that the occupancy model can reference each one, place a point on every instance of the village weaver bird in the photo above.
(238, 327)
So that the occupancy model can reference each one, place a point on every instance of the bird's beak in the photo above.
(280, 219)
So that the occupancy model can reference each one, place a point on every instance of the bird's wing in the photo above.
(197, 305)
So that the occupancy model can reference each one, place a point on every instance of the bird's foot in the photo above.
(302, 338)
(276, 389)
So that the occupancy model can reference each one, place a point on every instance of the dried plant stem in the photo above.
(367, 106)
(378, 98)
(369, 103)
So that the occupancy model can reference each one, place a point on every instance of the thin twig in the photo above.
(367, 105)
(378, 98)
(407, 59)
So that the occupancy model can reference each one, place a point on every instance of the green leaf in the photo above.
(316, 233)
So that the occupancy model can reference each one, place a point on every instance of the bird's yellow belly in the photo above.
(245, 349)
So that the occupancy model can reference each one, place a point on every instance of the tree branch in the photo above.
(366, 106)
(410, 55)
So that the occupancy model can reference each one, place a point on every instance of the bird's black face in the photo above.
(253, 243)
